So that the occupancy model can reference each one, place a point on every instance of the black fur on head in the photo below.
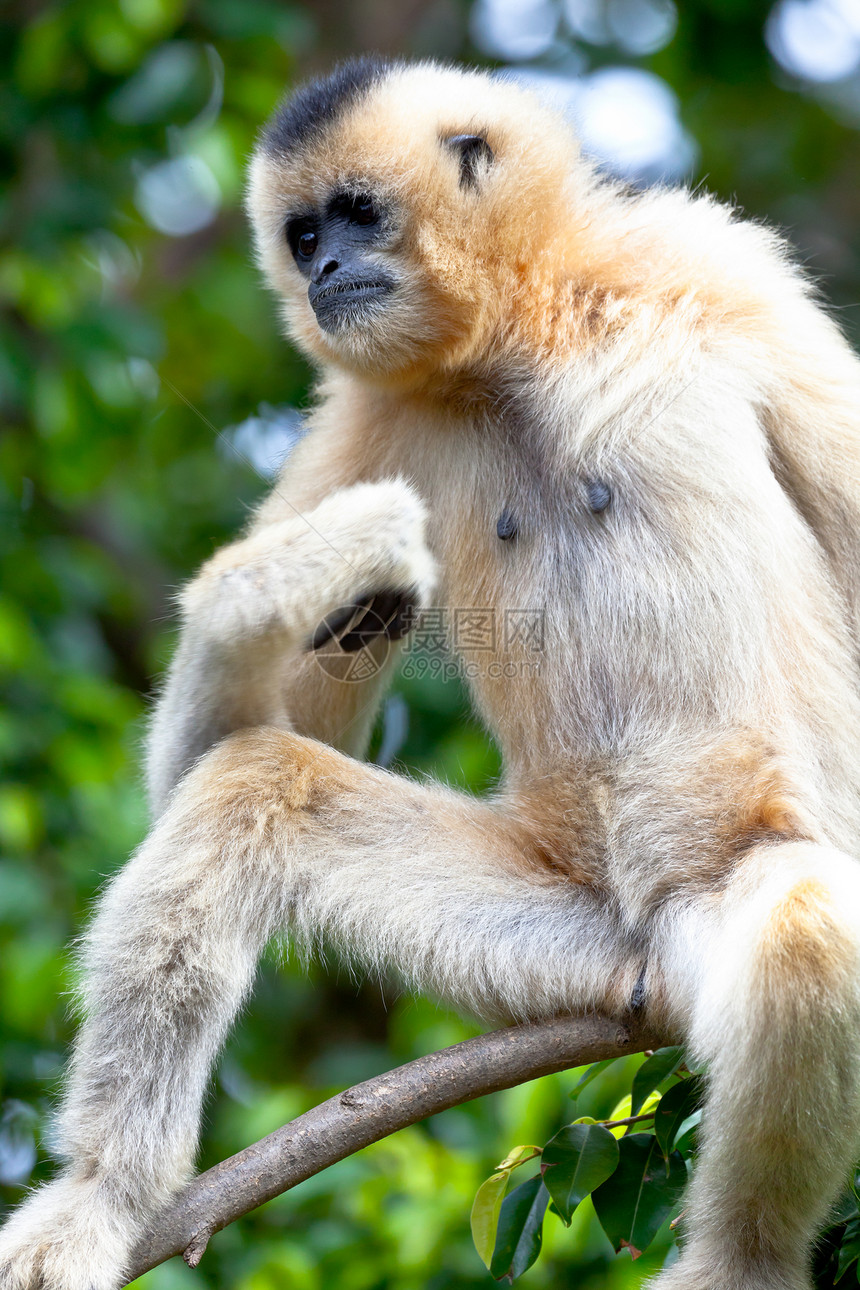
(315, 107)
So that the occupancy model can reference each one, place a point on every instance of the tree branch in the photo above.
(371, 1111)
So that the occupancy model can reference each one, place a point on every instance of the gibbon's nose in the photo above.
(327, 267)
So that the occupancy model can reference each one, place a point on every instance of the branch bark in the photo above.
(371, 1111)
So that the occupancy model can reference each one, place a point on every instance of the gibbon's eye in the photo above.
(363, 211)
(301, 232)
(306, 245)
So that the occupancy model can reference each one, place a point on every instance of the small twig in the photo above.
(631, 1119)
(371, 1111)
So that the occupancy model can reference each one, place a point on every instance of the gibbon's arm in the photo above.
(812, 419)
(249, 617)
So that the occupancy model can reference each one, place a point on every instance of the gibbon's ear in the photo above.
(473, 151)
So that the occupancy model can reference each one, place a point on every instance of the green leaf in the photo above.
(687, 1134)
(676, 1107)
(485, 1215)
(519, 1235)
(488, 1200)
(641, 1193)
(597, 1068)
(848, 1254)
(652, 1073)
(579, 1158)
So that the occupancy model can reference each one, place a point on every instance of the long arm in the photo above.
(812, 419)
(248, 618)
(165, 976)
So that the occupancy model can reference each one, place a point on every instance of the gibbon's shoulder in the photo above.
(712, 238)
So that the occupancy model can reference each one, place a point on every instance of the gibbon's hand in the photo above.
(262, 608)
(305, 576)
(377, 613)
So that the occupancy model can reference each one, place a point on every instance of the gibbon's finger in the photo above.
(383, 613)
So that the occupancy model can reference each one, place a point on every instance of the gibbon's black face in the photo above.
(331, 248)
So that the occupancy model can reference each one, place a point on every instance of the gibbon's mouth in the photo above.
(336, 303)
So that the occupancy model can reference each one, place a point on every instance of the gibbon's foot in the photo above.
(67, 1236)
(359, 542)
(697, 1273)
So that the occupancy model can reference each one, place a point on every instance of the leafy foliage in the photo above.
(642, 1193)
(678, 1113)
(657, 1070)
(630, 1169)
(634, 1181)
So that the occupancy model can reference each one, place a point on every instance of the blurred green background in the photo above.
(145, 396)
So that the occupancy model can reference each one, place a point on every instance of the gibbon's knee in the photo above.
(781, 971)
(805, 947)
(260, 778)
(214, 872)
(807, 951)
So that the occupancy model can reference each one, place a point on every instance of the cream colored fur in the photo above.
(681, 799)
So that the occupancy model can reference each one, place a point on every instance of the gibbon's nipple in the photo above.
(507, 526)
(599, 496)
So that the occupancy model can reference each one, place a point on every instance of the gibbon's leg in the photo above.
(770, 976)
(272, 830)
(249, 616)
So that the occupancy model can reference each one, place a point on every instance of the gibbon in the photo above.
(624, 414)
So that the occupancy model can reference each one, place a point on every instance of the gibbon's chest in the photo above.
(585, 598)
(528, 554)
